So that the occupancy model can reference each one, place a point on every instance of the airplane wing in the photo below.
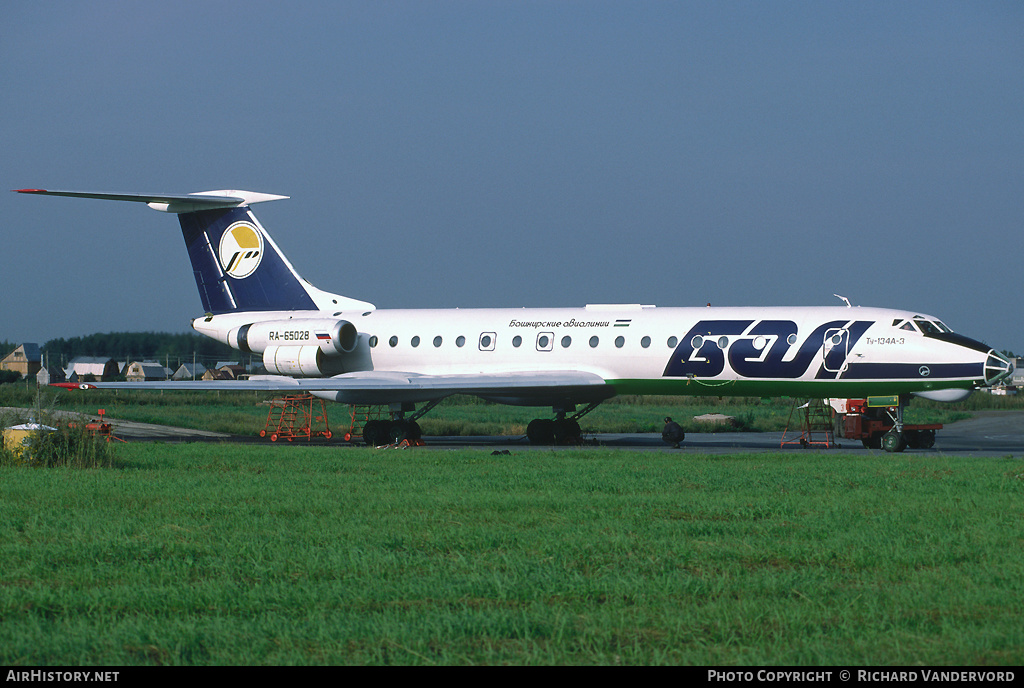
(384, 387)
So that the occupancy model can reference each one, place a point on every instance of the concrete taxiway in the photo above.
(989, 433)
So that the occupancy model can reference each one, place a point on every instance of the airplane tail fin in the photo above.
(237, 266)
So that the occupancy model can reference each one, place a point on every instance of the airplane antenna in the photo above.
(848, 304)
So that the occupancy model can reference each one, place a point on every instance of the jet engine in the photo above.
(308, 348)
(304, 361)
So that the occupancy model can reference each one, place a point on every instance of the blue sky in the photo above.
(488, 154)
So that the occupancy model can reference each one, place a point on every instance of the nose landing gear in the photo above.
(878, 424)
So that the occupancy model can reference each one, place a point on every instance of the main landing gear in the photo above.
(379, 432)
(562, 430)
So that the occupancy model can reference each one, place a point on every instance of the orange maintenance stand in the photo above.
(291, 417)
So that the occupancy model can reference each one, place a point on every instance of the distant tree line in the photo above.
(138, 346)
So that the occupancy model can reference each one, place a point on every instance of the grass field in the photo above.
(220, 554)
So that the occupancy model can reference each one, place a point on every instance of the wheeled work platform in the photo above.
(292, 417)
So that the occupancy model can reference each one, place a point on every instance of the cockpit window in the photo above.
(942, 326)
(928, 327)
(908, 326)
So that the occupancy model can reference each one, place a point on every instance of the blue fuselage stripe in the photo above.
(912, 371)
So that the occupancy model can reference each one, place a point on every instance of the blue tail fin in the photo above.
(236, 265)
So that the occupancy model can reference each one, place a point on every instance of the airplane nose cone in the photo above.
(997, 368)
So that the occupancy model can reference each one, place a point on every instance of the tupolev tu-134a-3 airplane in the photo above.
(348, 351)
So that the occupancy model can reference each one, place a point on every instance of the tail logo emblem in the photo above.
(241, 250)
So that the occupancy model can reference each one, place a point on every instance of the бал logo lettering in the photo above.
(241, 250)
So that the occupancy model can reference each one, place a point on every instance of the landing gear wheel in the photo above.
(892, 441)
(398, 431)
(541, 431)
(401, 430)
(567, 431)
(375, 433)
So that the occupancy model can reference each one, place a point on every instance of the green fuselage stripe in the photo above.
(812, 389)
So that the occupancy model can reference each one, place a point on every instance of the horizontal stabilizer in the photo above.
(172, 203)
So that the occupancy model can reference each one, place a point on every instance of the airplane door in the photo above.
(835, 349)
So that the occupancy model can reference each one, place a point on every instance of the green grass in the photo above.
(219, 554)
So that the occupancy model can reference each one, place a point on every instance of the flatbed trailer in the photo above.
(872, 421)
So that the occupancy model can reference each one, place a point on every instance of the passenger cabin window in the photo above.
(460, 341)
(393, 342)
(487, 341)
(437, 342)
(517, 341)
(545, 341)
(645, 342)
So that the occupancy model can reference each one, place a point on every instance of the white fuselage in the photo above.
(643, 349)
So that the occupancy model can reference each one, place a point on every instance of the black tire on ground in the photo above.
(567, 431)
(541, 431)
(893, 441)
(375, 432)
